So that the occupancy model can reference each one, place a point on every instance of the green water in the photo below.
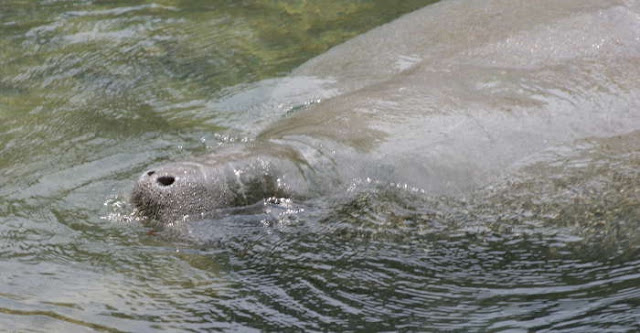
(93, 92)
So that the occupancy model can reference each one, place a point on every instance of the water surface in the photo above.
(92, 92)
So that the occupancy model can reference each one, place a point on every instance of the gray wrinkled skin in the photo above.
(215, 185)
(445, 99)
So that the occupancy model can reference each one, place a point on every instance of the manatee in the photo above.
(445, 99)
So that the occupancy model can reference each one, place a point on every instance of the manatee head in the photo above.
(183, 190)
(179, 189)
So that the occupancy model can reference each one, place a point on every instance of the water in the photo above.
(91, 93)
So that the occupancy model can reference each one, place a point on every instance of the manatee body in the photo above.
(444, 99)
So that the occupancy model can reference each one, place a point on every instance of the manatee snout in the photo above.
(210, 189)
(162, 181)
(176, 190)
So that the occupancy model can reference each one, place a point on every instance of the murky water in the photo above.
(91, 93)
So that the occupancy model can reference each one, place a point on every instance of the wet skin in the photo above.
(445, 99)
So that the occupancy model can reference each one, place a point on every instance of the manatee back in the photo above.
(448, 97)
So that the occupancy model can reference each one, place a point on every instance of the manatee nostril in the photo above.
(166, 180)
(150, 173)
